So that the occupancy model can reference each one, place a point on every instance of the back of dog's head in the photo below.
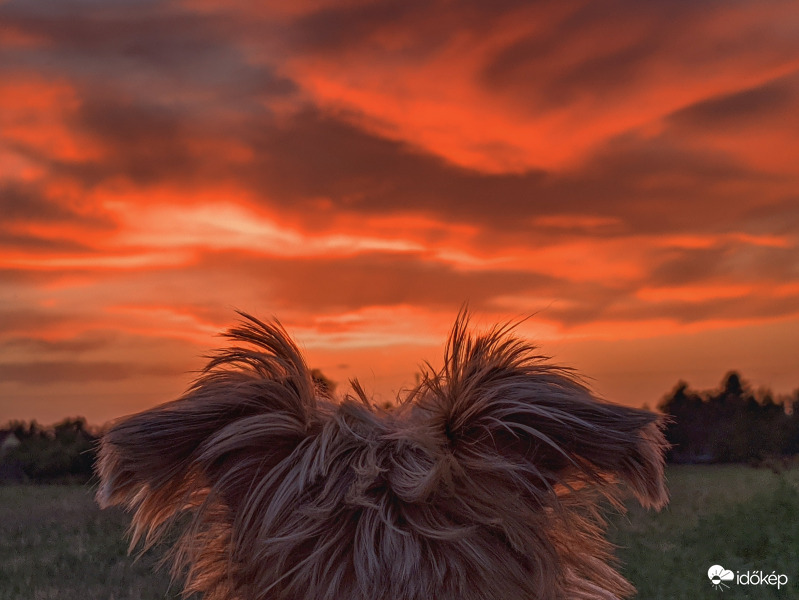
(481, 484)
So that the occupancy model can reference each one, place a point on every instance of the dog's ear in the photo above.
(251, 407)
(504, 409)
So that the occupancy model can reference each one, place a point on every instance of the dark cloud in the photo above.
(298, 160)
(751, 107)
(67, 371)
(27, 320)
(338, 28)
(19, 202)
(316, 155)
(658, 185)
(75, 345)
(688, 266)
(33, 243)
(324, 286)
(67, 8)
(542, 67)
(746, 307)
(578, 303)
(299, 115)
(327, 286)
(146, 143)
(780, 217)
(411, 28)
(605, 54)
(733, 263)
(19, 277)
(320, 156)
(151, 135)
(156, 37)
(143, 142)
(377, 279)
(193, 48)
(608, 305)
(23, 204)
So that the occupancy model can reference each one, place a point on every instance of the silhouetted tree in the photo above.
(325, 384)
(65, 452)
(730, 424)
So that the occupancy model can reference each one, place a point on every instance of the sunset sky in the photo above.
(626, 172)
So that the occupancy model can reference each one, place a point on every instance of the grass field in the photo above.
(55, 544)
(742, 518)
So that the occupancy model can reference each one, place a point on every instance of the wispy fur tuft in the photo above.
(483, 483)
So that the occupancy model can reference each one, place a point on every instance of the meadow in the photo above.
(742, 518)
(55, 544)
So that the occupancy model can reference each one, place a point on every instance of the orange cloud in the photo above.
(34, 115)
(700, 293)
(441, 100)
(362, 169)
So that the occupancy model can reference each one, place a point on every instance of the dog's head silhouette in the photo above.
(484, 482)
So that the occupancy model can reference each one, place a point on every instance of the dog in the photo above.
(486, 481)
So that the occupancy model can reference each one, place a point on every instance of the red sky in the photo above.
(627, 171)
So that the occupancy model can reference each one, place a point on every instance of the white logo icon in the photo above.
(718, 575)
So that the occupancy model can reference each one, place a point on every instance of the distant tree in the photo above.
(64, 452)
(730, 424)
(733, 387)
(323, 383)
(689, 425)
(792, 428)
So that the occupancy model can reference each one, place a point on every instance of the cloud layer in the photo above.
(362, 169)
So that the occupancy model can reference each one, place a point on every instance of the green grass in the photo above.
(742, 518)
(55, 544)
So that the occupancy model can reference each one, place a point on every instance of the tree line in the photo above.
(63, 453)
(731, 423)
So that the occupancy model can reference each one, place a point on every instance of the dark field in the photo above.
(56, 544)
(742, 518)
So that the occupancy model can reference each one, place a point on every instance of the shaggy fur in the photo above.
(482, 484)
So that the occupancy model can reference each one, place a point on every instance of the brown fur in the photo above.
(482, 484)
